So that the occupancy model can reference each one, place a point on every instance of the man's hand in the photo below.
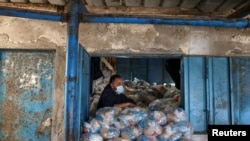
(129, 104)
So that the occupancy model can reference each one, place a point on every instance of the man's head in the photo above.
(115, 81)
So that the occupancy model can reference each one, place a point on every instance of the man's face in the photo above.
(117, 82)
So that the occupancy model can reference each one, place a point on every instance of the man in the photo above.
(112, 95)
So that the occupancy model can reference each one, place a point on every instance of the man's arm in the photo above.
(125, 104)
(127, 99)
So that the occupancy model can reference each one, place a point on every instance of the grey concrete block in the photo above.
(189, 3)
(19, 1)
(38, 1)
(113, 2)
(88, 2)
(210, 5)
(58, 2)
(97, 2)
(200, 137)
(170, 3)
(230, 4)
(242, 5)
(133, 2)
(152, 3)
(4, 0)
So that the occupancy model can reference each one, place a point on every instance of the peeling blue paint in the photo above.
(26, 94)
(31, 15)
(83, 85)
(216, 91)
(152, 20)
(195, 92)
(71, 114)
(240, 83)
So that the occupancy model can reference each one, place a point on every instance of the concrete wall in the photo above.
(164, 40)
(106, 39)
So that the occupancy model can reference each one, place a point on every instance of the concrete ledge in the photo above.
(200, 137)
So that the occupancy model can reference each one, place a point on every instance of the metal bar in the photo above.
(32, 14)
(243, 23)
(72, 118)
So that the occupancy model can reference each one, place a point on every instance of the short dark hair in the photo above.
(113, 77)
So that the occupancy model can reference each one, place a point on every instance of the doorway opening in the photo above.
(146, 79)
(153, 83)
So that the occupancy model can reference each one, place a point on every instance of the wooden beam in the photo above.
(241, 13)
(148, 11)
(31, 6)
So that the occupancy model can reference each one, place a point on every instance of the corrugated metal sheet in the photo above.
(195, 92)
(84, 84)
(240, 85)
(216, 91)
(26, 95)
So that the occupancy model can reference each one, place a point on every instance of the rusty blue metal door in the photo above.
(195, 92)
(218, 90)
(84, 84)
(240, 85)
(207, 91)
(26, 95)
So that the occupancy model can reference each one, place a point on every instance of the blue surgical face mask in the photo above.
(119, 89)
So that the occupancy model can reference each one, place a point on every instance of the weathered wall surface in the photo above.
(17, 33)
(162, 39)
(106, 39)
(32, 34)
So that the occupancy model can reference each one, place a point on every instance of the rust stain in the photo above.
(20, 75)
(223, 104)
(10, 110)
(41, 97)
(9, 107)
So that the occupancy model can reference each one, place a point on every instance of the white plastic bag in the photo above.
(161, 105)
(131, 116)
(176, 114)
(131, 133)
(95, 137)
(91, 137)
(147, 138)
(106, 114)
(159, 117)
(185, 128)
(118, 139)
(170, 132)
(109, 133)
(151, 128)
(93, 126)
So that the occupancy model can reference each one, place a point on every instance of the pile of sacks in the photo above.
(162, 120)
(142, 92)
